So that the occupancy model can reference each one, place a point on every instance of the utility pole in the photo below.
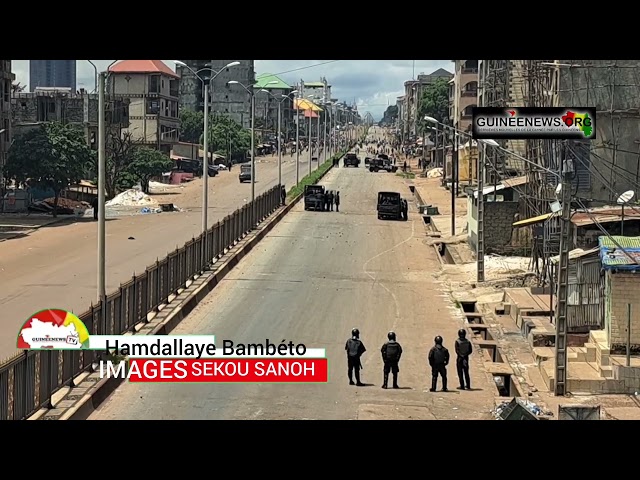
(562, 282)
(102, 271)
(480, 201)
(454, 161)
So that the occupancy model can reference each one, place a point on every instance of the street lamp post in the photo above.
(205, 162)
(297, 108)
(252, 95)
(310, 145)
(284, 97)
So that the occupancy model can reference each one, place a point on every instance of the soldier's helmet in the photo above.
(355, 333)
(462, 333)
(438, 340)
(391, 335)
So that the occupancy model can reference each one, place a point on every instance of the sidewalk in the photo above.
(433, 193)
(21, 225)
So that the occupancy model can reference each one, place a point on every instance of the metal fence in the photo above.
(28, 381)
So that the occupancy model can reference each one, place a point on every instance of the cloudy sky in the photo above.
(373, 84)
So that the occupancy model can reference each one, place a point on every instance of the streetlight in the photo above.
(205, 163)
(95, 78)
(284, 97)
(251, 92)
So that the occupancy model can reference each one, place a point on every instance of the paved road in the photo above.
(312, 279)
(56, 266)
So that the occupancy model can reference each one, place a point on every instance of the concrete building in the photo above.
(152, 89)
(401, 120)
(317, 92)
(465, 93)
(413, 91)
(52, 73)
(66, 106)
(267, 103)
(230, 100)
(6, 80)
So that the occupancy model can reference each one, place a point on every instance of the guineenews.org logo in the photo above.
(532, 122)
(53, 329)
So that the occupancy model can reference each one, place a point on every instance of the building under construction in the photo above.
(603, 168)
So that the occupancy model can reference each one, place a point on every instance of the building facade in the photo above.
(64, 105)
(152, 90)
(464, 92)
(52, 73)
(317, 92)
(277, 94)
(224, 99)
(6, 81)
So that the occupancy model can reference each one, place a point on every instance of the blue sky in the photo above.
(372, 84)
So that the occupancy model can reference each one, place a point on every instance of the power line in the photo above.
(308, 66)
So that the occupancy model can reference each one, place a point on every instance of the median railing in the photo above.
(28, 381)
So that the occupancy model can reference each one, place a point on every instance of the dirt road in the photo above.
(312, 279)
(55, 267)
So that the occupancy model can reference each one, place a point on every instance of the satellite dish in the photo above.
(559, 189)
(626, 197)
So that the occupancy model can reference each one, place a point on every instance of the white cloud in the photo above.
(372, 84)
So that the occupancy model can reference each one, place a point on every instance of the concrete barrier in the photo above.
(85, 397)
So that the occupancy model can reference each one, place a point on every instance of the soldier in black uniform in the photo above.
(94, 205)
(405, 209)
(355, 349)
(283, 194)
(438, 360)
(463, 350)
(336, 200)
(391, 353)
(325, 201)
(331, 200)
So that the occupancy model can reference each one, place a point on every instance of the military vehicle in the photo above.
(391, 205)
(382, 165)
(351, 160)
(245, 173)
(314, 197)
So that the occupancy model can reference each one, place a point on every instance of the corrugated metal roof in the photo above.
(626, 256)
(577, 253)
(604, 215)
(506, 183)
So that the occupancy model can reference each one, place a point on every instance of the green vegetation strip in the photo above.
(406, 175)
(314, 177)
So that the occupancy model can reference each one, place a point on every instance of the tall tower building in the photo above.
(52, 73)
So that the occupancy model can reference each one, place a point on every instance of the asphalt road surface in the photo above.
(56, 267)
(311, 280)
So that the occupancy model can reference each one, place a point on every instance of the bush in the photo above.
(314, 177)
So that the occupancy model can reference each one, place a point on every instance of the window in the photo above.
(154, 84)
(153, 107)
(7, 91)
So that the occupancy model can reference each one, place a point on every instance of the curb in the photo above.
(79, 406)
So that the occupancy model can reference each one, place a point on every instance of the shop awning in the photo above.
(304, 104)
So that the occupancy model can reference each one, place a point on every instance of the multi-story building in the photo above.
(279, 94)
(413, 91)
(52, 73)
(6, 80)
(67, 106)
(224, 99)
(317, 92)
(152, 89)
(401, 120)
(464, 94)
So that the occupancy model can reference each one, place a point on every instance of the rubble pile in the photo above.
(66, 206)
(132, 198)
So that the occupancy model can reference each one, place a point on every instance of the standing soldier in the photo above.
(355, 349)
(94, 205)
(391, 353)
(283, 194)
(331, 200)
(336, 200)
(405, 209)
(438, 360)
(463, 350)
(325, 201)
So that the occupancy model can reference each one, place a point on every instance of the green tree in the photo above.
(435, 102)
(225, 134)
(146, 164)
(191, 126)
(52, 156)
(119, 155)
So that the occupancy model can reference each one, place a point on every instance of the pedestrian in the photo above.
(438, 360)
(355, 349)
(405, 209)
(94, 205)
(463, 350)
(283, 194)
(336, 200)
(325, 201)
(404, 167)
(331, 198)
(391, 354)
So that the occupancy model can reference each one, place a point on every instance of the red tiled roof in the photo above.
(310, 114)
(143, 66)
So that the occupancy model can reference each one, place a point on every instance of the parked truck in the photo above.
(245, 173)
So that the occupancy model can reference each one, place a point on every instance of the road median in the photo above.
(87, 394)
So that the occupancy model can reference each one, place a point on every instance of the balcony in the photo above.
(469, 93)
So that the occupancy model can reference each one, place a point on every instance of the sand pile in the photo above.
(132, 198)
